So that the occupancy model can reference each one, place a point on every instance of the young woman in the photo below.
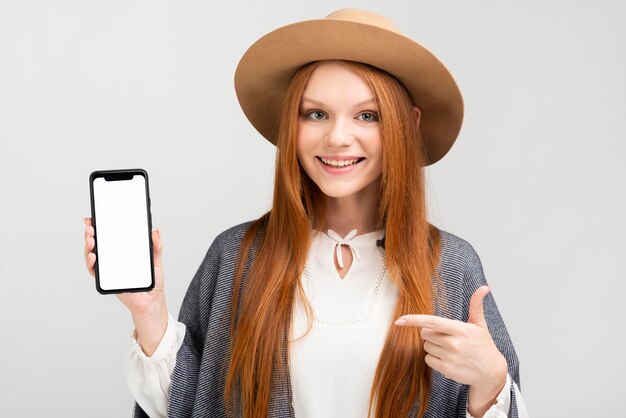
(342, 300)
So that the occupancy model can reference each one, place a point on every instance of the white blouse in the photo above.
(331, 367)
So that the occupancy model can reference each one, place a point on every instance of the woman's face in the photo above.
(339, 142)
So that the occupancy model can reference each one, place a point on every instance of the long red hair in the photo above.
(264, 293)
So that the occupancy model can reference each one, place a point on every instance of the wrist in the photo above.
(483, 396)
(150, 326)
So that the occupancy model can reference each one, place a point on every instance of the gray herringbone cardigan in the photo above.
(198, 380)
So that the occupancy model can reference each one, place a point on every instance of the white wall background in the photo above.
(535, 182)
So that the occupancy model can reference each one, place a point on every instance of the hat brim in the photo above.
(266, 69)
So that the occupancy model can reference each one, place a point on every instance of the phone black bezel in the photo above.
(121, 174)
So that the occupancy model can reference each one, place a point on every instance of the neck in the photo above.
(358, 211)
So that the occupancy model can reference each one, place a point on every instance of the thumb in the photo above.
(157, 247)
(476, 313)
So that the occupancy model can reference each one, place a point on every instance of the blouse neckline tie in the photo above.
(343, 241)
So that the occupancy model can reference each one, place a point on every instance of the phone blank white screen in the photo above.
(122, 235)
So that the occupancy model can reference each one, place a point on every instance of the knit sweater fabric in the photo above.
(198, 380)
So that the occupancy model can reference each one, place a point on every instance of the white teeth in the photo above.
(338, 163)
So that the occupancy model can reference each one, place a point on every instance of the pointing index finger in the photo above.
(437, 323)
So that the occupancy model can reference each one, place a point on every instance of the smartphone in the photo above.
(122, 222)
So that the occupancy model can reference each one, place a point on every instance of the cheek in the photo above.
(377, 152)
(300, 152)
(375, 147)
(304, 142)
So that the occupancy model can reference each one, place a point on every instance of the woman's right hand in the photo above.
(148, 309)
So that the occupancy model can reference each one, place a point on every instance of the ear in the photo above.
(418, 115)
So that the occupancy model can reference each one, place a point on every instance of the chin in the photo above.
(339, 193)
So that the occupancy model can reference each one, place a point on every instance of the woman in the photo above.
(342, 301)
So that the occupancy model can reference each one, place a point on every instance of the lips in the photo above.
(340, 162)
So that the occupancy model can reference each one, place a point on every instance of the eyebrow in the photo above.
(371, 100)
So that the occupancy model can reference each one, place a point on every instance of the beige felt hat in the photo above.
(266, 69)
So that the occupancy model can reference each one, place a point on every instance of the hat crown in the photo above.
(365, 17)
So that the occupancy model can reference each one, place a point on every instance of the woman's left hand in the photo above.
(464, 352)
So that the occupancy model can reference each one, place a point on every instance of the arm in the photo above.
(173, 372)
(148, 309)
(474, 278)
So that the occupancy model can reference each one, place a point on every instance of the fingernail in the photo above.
(400, 321)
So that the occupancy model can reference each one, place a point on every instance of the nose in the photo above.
(339, 134)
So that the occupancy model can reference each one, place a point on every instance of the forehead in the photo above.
(337, 82)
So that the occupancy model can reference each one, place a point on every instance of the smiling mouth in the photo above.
(340, 163)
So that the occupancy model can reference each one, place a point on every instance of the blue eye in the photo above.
(316, 115)
(368, 117)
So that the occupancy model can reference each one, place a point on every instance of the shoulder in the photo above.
(228, 242)
(224, 249)
(456, 252)
(231, 238)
